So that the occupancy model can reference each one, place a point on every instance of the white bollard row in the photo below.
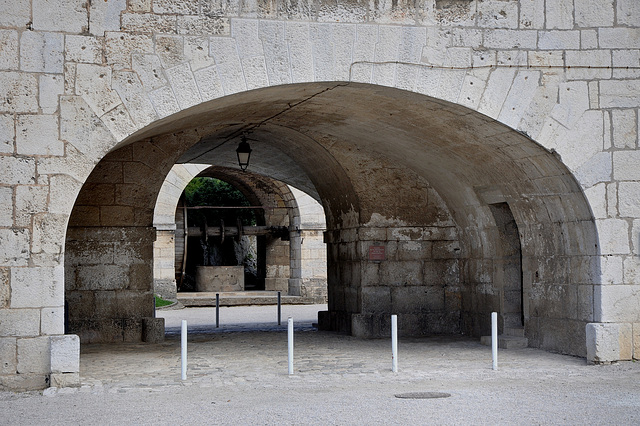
(394, 344)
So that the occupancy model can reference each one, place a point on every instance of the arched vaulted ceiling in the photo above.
(317, 136)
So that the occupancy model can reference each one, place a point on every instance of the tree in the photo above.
(204, 191)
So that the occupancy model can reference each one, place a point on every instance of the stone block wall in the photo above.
(419, 279)
(406, 264)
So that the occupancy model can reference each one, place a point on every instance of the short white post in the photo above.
(494, 339)
(184, 349)
(394, 343)
(290, 339)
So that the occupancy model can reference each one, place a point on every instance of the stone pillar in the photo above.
(409, 271)
(313, 265)
(109, 285)
(277, 260)
(295, 258)
(164, 281)
(310, 251)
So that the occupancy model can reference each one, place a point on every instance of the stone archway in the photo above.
(415, 178)
(277, 209)
(307, 263)
(99, 76)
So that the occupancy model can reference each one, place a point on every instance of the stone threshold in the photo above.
(241, 298)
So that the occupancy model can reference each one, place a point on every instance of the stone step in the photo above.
(513, 331)
(512, 342)
(506, 342)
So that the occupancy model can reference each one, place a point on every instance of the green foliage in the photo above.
(203, 191)
(213, 192)
(161, 302)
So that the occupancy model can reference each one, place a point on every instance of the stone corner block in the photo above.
(65, 354)
(152, 330)
(608, 342)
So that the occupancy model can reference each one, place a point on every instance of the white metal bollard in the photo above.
(494, 339)
(290, 339)
(394, 343)
(184, 349)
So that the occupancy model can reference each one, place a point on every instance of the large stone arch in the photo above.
(559, 73)
(424, 197)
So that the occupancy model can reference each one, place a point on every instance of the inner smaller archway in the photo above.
(234, 259)
(278, 244)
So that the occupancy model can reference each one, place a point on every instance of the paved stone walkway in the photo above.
(237, 374)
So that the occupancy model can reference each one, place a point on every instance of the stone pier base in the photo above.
(609, 342)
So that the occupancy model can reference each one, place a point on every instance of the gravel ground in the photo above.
(238, 375)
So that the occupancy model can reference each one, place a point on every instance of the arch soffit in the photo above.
(458, 151)
(245, 181)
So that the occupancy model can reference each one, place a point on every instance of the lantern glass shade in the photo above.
(244, 152)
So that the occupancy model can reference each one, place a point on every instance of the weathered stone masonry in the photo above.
(306, 263)
(385, 113)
